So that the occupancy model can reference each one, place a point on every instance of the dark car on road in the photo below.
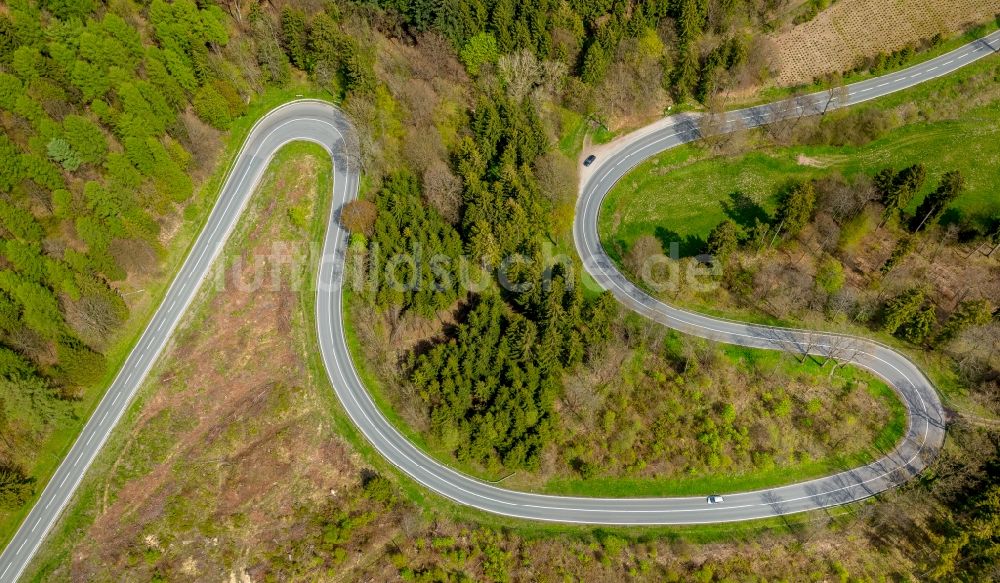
(590, 160)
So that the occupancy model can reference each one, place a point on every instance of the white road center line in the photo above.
(424, 470)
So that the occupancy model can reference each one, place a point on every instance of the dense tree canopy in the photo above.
(413, 252)
(93, 154)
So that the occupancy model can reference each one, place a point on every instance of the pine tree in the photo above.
(19, 222)
(897, 193)
(685, 72)
(724, 239)
(11, 170)
(969, 313)
(935, 203)
(211, 107)
(796, 206)
(902, 249)
(85, 138)
(15, 487)
(919, 326)
(900, 309)
(295, 37)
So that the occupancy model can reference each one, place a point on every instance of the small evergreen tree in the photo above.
(969, 313)
(902, 249)
(796, 206)
(901, 308)
(935, 203)
(724, 239)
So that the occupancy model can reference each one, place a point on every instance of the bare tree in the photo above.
(716, 127)
(760, 64)
(581, 399)
(841, 350)
(644, 247)
(94, 318)
(781, 118)
(805, 105)
(422, 147)
(552, 75)
(358, 216)
(836, 94)
(235, 9)
(633, 83)
(845, 201)
(520, 72)
(434, 59)
(369, 126)
(443, 190)
(557, 176)
(421, 101)
(135, 256)
(711, 128)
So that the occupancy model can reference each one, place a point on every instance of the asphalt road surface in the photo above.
(324, 124)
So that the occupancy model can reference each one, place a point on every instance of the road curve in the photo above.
(323, 124)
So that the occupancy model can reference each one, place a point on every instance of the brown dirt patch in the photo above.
(835, 39)
(230, 433)
(804, 160)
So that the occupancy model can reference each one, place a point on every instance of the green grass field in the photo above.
(574, 132)
(678, 194)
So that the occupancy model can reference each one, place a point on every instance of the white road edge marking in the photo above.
(977, 53)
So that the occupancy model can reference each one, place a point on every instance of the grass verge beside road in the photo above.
(949, 44)
(679, 194)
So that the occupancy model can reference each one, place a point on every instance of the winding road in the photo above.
(324, 124)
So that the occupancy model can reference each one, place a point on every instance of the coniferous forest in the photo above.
(120, 116)
(105, 108)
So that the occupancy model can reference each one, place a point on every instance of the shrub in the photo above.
(830, 276)
(212, 107)
(60, 151)
(15, 486)
(478, 51)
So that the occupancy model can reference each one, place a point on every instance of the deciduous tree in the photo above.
(359, 216)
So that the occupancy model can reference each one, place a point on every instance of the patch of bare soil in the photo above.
(233, 472)
(234, 442)
(804, 160)
(836, 38)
